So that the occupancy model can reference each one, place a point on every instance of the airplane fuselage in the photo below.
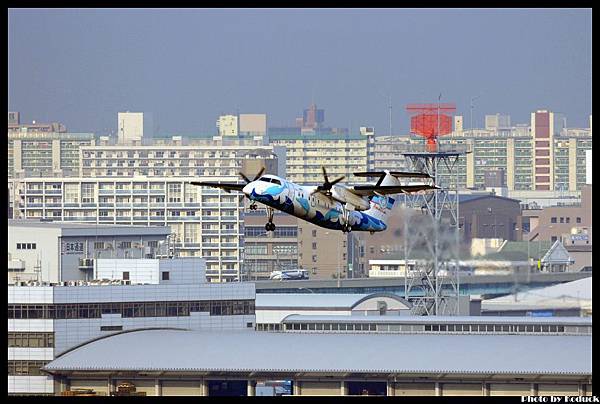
(317, 208)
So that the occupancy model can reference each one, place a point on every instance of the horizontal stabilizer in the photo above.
(391, 189)
(403, 174)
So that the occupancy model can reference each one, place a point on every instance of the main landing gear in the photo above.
(253, 206)
(270, 226)
(346, 227)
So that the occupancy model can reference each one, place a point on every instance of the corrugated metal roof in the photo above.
(170, 350)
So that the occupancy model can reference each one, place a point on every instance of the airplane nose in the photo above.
(247, 190)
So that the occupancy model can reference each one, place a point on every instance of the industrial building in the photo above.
(272, 309)
(487, 325)
(176, 362)
(47, 251)
(567, 299)
(47, 320)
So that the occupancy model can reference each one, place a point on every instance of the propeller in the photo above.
(326, 187)
(257, 176)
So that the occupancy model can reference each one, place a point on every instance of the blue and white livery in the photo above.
(332, 206)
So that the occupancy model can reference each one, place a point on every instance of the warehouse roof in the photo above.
(252, 351)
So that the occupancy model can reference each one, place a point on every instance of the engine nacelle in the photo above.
(341, 194)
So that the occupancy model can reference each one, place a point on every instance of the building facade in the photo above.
(59, 251)
(45, 154)
(130, 127)
(204, 222)
(340, 154)
(45, 321)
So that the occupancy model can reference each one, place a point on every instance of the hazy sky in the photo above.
(81, 67)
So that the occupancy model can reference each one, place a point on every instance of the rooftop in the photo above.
(316, 300)
(251, 351)
(75, 229)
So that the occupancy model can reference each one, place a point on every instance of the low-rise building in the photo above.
(60, 251)
(333, 365)
(48, 320)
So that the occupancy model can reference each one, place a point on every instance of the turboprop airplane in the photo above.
(331, 205)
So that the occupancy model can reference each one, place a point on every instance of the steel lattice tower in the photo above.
(431, 220)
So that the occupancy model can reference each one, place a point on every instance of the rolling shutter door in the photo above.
(181, 388)
(99, 386)
(558, 389)
(517, 389)
(320, 388)
(460, 389)
(415, 389)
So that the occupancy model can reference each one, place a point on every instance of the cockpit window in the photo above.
(275, 181)
(265, 179)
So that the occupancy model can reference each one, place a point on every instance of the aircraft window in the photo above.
(265, 179)
(275, 181)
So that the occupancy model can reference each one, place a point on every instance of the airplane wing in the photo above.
(368, 190)
(227, 186)
(403, 174)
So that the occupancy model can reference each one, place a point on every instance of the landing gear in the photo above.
(253, 206)
(270, 226)
(346, 227)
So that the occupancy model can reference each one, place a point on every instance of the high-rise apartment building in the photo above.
(497, 122)
(45, 154)
(205, 222)
(227, 125)
(130, 127)
(340, 154)
(546, 156)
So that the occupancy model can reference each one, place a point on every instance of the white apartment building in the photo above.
(45, 321)
(130, 127)
(45, 154)
(227, 125)
(212, 158)
(204, 222)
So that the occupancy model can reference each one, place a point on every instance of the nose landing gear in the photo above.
(253, 206)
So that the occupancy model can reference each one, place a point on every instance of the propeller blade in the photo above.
(244, 177)
(262, 170)
(325, 175)
(336, 180)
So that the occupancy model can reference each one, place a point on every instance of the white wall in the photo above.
(140, 270)
(588, 167)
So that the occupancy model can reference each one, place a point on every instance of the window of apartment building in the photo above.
(125, 276)
(314, 246)
(568, 220)
(98, 245)
(256, 249)
(165, 276)
(174, 192)
(71, 193)
(552, 220)
(314, 233)
(125, 244)
(314, 258)
(562, 219)
(578, 220)
(31, 339)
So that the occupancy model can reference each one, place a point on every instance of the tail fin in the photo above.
(382, 205)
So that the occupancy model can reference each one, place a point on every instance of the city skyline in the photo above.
(280, 61)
